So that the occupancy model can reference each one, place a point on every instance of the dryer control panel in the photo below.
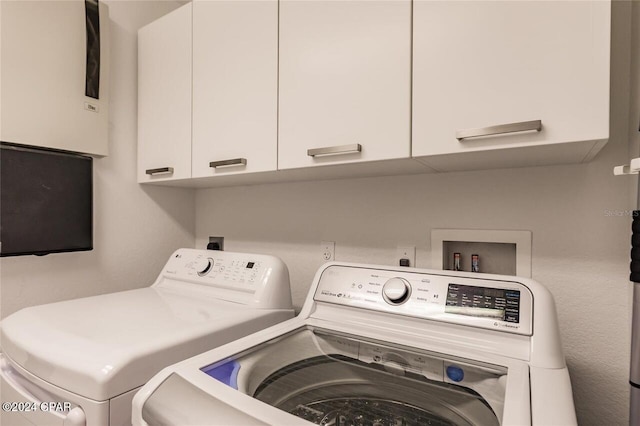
(222, 269)
(239, 277)
(480, 302)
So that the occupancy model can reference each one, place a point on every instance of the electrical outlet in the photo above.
(328, 250)
(216, 243)
(406, 252)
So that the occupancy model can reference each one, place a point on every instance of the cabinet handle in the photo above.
(160, 171)
(524, 126)
(338, 149)
(228, 163)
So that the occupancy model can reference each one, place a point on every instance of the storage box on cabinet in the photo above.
(55, 75)
(539, 70)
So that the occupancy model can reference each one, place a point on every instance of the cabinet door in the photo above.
(164, 97)
(235, 86)
(485, 63)
(344, 81)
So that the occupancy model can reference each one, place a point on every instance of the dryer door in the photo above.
(336, 379)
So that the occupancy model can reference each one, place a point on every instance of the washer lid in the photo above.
(102, 346)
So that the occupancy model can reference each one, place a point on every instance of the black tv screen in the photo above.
(46, 201)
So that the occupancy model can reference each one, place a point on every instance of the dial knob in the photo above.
(396, 291)
(202, 266)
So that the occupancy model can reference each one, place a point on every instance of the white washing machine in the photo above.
(377, 345)
(80, 362)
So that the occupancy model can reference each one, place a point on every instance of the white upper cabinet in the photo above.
(239, 87)
(479, 64)
(235, 87)
(344, 81)
(164, 97)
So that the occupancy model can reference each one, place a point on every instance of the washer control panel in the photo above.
(480, 302)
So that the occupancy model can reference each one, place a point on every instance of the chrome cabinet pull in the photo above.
(228, 163)
(332, 150)
(524, 126)
(159, 171)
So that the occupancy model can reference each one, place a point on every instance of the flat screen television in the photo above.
(46, 201)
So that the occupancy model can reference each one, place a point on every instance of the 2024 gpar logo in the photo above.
(49, 406)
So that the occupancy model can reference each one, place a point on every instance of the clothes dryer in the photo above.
(80, 362)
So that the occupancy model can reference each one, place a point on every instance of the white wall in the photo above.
(135, 228)
(580, 243)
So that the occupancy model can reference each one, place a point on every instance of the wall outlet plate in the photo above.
(217, 240)
(328, 250)
(406, 252)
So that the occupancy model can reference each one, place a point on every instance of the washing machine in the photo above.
(376, 346)
(80, 362)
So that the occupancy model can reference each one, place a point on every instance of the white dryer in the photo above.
(376, 345)
(80, 362)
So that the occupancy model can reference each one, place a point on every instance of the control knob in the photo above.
(203, 266)
(396, 291)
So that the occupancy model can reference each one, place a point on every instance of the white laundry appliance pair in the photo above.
(79, 362)
(378, 346)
